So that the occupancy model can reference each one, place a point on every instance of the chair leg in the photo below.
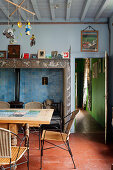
(39, 137)
(28, 155)
(42, 143)
(69, 149)
(2, 168)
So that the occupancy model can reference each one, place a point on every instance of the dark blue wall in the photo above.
(31, 88)
(7, 85)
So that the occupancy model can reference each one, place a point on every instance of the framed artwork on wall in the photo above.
(26, 55)
(2, 54)
(89, 41)
(41, 54)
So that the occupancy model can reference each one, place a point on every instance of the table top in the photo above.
(38, 116)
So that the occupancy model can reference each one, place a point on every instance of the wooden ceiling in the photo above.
(58, 10)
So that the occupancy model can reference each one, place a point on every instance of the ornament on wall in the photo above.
(33, 40)
(28, 28)
(19, 24)
(9, 33)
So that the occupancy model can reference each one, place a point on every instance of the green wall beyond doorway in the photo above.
(98, 89)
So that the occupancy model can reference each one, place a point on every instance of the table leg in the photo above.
(13, 128)
(26, 133)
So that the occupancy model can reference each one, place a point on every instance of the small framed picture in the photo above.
(41, 54)
(26, 55)
(2, 54)
(54, 54)
(65, 55)
(33, 56)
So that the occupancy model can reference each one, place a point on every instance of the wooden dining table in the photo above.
(13, 118)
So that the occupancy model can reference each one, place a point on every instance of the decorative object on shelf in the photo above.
(33, 56)
(2, 54)
(13, 51)
(48, 56)
(54, 54)
(89, 40)
(65, 54)
(27, 28)
(26, 55)
(41, 54)
(19, 24)
(33, 40)
(59, 56)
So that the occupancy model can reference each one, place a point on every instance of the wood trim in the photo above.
(40, 23)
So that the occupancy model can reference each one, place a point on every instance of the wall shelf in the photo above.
(34, 63)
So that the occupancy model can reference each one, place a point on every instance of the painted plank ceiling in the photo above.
(57, 10)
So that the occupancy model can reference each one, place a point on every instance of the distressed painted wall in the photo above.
(7, 85)
(31, 88)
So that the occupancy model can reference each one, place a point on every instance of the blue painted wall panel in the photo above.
(7, 85)
(31, 88)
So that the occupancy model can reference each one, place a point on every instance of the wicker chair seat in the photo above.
(52, 135)
(14, 151)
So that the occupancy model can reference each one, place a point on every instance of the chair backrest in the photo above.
(70, 120)
(5, 143)
(34, 105)
(4, 105)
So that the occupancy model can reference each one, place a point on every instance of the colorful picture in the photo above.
(89, 41)
(2, 54)
(41, 54)
(33, 56)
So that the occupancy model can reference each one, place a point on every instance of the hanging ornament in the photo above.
(33, 40)
(9, 33)
(19, 24)
(28, 28)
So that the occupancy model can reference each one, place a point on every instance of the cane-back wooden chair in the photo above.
(52, 136)
(4, 105)
(10, 155)
(34, 127)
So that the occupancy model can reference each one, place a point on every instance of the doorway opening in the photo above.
(89, 95)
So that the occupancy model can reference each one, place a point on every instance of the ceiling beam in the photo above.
(35, 7)
(68, 10)
(102, 8)
(4, 9)
(85, 9)
(52, 9)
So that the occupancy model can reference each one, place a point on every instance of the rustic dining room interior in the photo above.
(56, 61)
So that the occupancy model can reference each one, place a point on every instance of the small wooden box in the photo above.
(13, 51)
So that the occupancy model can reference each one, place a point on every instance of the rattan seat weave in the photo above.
(14, 151)
(52, 135)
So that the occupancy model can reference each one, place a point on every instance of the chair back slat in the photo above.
(5, 143)
(34, 105)
(70, 121)
(4, 105)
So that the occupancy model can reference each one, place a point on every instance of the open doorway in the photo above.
(90, 95)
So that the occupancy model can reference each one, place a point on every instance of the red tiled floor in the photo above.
(89, 151)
